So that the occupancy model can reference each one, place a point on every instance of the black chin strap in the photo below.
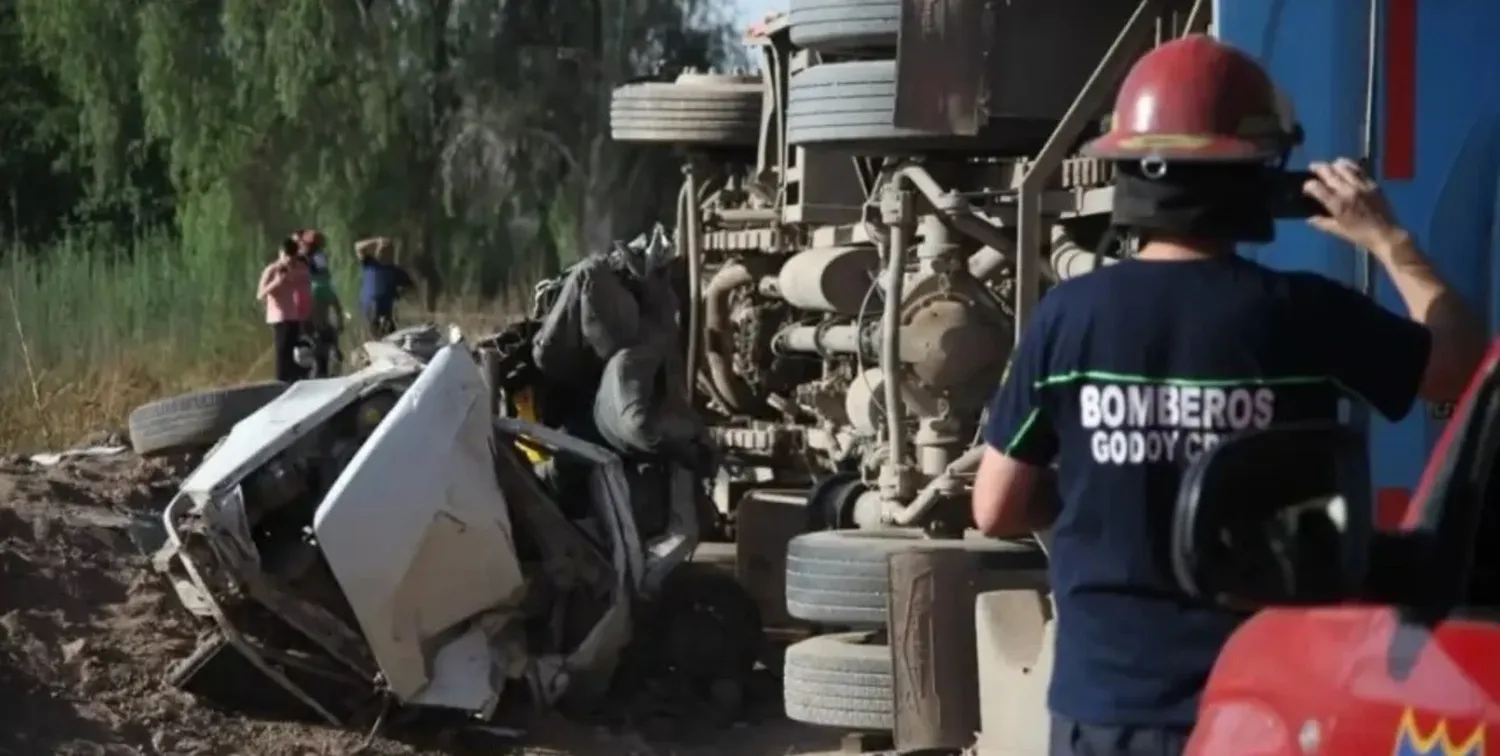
(1198, 201)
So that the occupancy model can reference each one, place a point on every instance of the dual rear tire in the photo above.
(841, 578)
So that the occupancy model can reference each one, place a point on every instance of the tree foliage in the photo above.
(474, 132)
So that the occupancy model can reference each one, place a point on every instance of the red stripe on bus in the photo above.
(1390, 507)
(1399, 158)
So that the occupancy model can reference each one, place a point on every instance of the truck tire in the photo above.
(851, 107)
(835, 25)
(840, 680)
(196, 421)
(841, 578)
(709, 110)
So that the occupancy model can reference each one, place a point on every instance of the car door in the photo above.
(1378, 679)
(417, 533)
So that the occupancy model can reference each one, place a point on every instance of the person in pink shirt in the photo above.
(286, 288)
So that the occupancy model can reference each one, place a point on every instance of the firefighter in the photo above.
(1127, 374)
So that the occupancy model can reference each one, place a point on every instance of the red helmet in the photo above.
(311, 237)
(1196, 98)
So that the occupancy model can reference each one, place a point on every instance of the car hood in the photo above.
(304, 406)
(418, 535)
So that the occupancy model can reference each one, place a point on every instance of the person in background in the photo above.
(382, 283)
(327, 311)
(286, 288)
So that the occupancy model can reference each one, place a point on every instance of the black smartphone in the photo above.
(1287, 198)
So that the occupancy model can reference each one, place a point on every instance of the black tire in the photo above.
(835, 25)
(841, 577)
(193, 422)
(841, 680)
(697, 109)
(830, 503)
(851, 107)
(706, 627)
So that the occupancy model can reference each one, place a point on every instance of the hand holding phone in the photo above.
(1289, 198)
(1355, 209)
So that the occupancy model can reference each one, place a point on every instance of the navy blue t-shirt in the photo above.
(381, 285)
(1124, 377)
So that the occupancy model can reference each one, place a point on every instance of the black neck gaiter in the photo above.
(1199, 201)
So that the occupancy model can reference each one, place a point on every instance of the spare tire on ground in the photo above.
(835, 25)
(841, 577)
(840, 680)
(710, 110)
(196, 421)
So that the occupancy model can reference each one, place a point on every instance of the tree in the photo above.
(475, 132)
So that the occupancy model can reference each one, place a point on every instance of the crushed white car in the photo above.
(379, 538)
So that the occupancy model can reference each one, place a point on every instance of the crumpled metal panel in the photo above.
(417, 534)
(963, 64)
(941, 65)
(1043, 52)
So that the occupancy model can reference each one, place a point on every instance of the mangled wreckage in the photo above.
(387, 537)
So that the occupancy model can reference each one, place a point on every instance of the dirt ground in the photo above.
(87, 631)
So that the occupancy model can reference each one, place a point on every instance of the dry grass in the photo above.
(49, 410)
(54, 409)
(86, 336)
